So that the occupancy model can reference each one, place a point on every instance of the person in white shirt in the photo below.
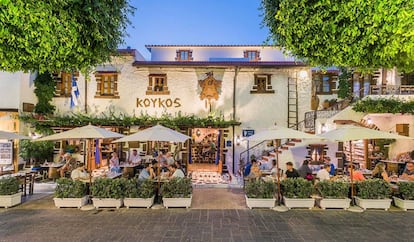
(80, 174)
(169, 158)
(134, 158)
(323, 174)
(176, 172)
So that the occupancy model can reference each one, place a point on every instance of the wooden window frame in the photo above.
(154, 79)
(63, 86)
(257, 55)
(403, 129)
(100, 85)
(332, 81)
(189, 55)
(257, 88)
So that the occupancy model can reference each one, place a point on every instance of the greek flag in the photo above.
(74, 93)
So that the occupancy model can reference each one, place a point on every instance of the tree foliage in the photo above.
(354, 33)
(52, 35)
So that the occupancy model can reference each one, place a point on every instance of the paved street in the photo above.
(39, 220)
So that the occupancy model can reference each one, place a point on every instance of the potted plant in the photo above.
(297, 193)
(373, 193)
(260, 194)
(406, 201)
(334, 194)
(9, 192)
(177, 192)
(107, 192)
(70, 193)
(139, 193)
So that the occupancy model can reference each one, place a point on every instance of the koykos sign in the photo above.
(158, 102)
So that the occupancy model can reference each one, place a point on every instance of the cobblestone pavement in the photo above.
(39, 220)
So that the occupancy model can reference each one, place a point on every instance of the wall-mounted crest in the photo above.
(210, 87)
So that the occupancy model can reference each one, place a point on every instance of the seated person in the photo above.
(176, 172)
(70, 165)
(273, 171)
(80, 174)
(147, 172)
(179, 166)
(169, 159)
(323, 174)
(134, 158)
(114, 163)
(377, 155)
(357, 174)
(408, 173)
(254, 171)
(290, 171)
(327, 160)
(380, 172)
(304, 170)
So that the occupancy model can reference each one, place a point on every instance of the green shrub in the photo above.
(296, 188)
(139, 189)
(177, 188)
(373, 189)
(68, 188)
(109, 188)
(333, 189)
(259, 189)
(9, 186)
(406, 190)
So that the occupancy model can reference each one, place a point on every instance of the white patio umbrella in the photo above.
(10, 135)
(87, 132)
(278, 132)
(155, 133)
(348, 133)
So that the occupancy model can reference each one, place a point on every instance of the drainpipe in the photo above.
(86, 95)
(236, 72)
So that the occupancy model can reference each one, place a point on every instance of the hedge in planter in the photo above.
(139, 193)
(177, 188)
(9, 192)
(109, 188)
(406, 201)
(373, 189)
(70, 193)
(296, 188)
(334, 194)
(9, 186)
(259, 189)
(68, 188)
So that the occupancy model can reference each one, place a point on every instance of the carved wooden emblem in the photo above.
(210, 87)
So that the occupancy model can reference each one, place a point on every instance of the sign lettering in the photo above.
(158, 103)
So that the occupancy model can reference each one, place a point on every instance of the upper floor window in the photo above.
(325, 82)
(252, 55)
(64, 83)
(107, 84)
(262, 84)
(157, 85)
(184, 55)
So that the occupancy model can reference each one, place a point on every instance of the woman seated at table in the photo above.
(175, 172)
(147, 172)
(114, 163)
(408, 173)
(357, 174)
(380, 172)
(80, 174)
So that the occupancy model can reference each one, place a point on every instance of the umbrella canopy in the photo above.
(10, 135)
(351, 132)
(85, 132)
(155, 133)
(278, 132)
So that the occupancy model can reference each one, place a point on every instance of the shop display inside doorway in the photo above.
(204, 147)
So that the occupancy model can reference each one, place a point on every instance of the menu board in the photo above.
(6, 153)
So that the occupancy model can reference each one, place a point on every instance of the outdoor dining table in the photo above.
(129, 168)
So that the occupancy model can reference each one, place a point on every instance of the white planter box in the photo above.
(343, 203)
(373, 203)
(107, 203)
(139, 202)
(71, 202)
(260, 202)
(299, 202)
(7, 201)
(176, 202)
(404, 204)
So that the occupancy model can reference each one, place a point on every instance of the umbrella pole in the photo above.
(279, 194)
(351, 172)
